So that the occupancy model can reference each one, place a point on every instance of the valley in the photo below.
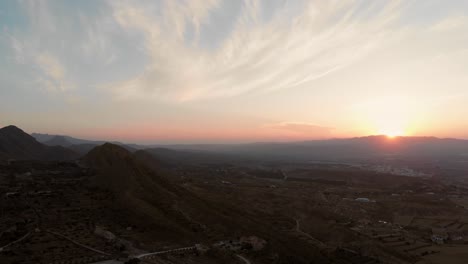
(114, 205)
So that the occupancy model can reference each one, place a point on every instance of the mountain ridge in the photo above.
(17, 144)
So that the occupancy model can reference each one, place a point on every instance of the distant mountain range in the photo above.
(81, 146)
(16, 144)
(58, 141)
(339, 149)
(67, 140)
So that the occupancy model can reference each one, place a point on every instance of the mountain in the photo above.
(116, 167)
(144, 192)
(16, 144)
(81, 146)
(152, 198)
(46, 138)
(58, 141)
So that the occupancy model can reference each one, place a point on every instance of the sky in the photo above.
(211, 71)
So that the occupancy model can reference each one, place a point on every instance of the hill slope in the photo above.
(145, 193)
(175, 213)
(16, 144)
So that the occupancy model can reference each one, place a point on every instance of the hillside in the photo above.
(16, 144)
(176, 214)
(144, 192)
(139, 183)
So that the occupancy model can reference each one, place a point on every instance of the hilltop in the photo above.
(17, 144)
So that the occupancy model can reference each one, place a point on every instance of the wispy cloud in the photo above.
(53, 72)
(18, 50)
(256, 61)
(57, 42)
(451, 23)
(258, 55)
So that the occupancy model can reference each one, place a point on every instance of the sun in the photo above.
(392, 132)
(390, 115)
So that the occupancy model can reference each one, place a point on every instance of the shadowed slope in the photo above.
(175, 213)
(16, 144)
(141, 190)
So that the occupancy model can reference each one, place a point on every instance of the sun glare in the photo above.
(392, 132)
(392, 116)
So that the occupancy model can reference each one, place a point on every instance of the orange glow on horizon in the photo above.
(149, 134)
(392, 116)
(393, 132)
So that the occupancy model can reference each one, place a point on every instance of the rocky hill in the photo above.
(16, 144)
(144, 192)
(174, 212)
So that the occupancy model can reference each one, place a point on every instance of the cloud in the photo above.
(50, 72)
(51, 37)
(53, 72)
(38, 12)
(18, 50)
(451, 23)
(303, 129)
(297, 44)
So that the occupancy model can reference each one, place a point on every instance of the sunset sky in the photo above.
(234, 71)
